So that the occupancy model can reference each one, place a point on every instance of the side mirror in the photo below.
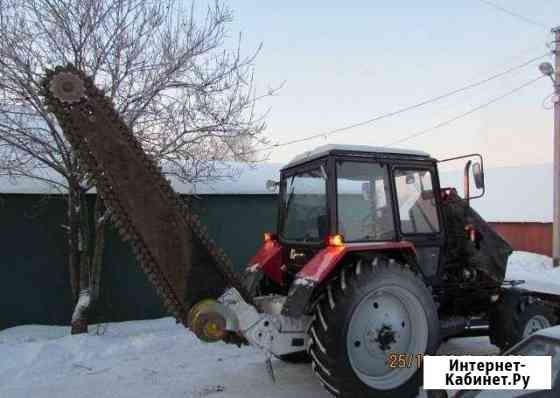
(474, 164)
(272, 185)
(478, 175)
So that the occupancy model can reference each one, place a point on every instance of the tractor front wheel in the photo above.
(371, 329)
(516, 316)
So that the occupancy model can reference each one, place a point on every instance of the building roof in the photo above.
(513, 194)
(326, 149)
(248, 180)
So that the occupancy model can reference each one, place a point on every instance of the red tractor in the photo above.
(372, 265)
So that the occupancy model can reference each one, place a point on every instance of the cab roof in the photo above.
(366, 149)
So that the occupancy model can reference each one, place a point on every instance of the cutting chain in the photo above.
(144, 207)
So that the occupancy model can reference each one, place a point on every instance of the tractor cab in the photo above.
(362, 196)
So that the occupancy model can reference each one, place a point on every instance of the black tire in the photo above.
(257, 283)
(330, 327)
(511, 315)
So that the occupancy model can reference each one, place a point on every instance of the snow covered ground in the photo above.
(155, 358)
(158, 358)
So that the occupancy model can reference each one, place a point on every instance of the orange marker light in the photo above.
(335, 240)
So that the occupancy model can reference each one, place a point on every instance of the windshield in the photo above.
(304, 206)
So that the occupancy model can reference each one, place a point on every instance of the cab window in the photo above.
(364, 204)
(304, 206)
(416, 201)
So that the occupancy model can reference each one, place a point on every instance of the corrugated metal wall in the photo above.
(34, 284)
(527, 236)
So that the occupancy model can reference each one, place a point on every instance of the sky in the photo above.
(345, 62)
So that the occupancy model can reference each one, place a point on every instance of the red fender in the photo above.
(326, 260)
(269, 260)
(323, 264)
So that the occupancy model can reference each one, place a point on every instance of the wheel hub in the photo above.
(535, 324)
(385, 337)
(386, 329)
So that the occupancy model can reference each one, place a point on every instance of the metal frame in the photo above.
(421, 240)
(432, 170)
(290, 172)
(335, 193)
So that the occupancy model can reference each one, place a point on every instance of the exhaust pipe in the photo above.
(467, 182)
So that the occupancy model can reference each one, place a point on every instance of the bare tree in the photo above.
(189, 99)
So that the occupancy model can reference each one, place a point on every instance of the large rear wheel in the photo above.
(368, 316)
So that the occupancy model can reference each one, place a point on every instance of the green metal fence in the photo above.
(34, 280)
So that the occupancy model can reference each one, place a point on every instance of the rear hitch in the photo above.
(262, 325)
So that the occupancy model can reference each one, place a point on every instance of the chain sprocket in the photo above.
(67, 87)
